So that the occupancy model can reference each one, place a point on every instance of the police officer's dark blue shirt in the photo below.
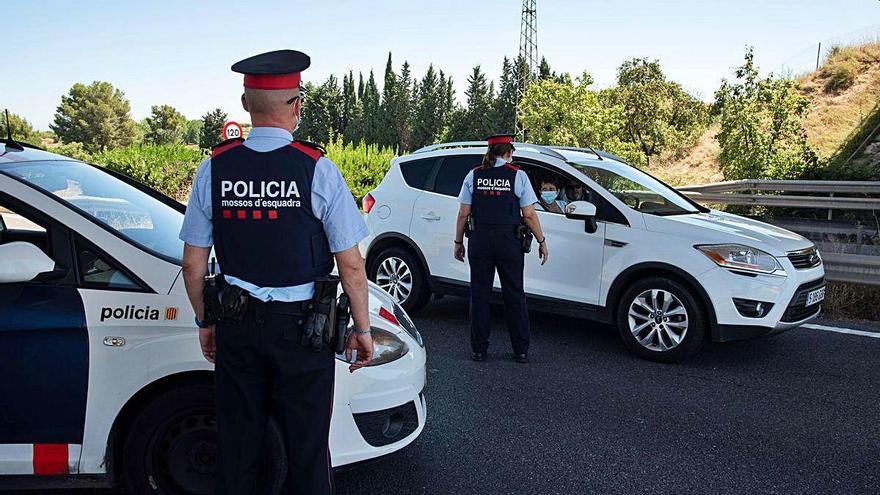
(332, 204)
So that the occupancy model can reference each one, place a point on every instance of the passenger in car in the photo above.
(548, 197)
(574, 191)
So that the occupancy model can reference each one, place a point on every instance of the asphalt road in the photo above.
(795, 413)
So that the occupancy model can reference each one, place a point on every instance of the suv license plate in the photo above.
(815, 296)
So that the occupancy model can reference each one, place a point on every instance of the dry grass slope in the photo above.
(838, 106)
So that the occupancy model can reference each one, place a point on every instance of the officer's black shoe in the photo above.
(478, 356)
(521, 358)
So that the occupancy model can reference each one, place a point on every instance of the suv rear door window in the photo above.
(452, 173)
(417, 172)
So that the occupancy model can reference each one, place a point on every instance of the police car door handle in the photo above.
(431, 216)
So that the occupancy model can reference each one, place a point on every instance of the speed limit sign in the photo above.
(231, 131)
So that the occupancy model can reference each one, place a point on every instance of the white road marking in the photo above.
(848, 331)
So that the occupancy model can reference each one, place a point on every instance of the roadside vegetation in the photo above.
(815, 126)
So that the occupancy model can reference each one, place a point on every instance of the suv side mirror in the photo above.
(582, 210)
(23, 262)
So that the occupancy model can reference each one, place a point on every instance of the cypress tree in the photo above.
(387, 109)
(372, 112)
(428, 114)
(505, 104)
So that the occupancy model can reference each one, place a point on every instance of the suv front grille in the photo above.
(797, 309)
(806, 258)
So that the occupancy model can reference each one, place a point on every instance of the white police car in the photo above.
(634, 252)
(103, 380)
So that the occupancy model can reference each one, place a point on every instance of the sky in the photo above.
(179, 52)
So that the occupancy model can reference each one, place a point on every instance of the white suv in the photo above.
(666, 271)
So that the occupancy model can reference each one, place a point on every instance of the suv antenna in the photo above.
(594, 152)
(10, 143)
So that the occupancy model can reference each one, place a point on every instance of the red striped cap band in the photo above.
(272, 81)
(500, 140)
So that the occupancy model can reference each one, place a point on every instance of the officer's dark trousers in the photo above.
(490, 248)
(262, 370)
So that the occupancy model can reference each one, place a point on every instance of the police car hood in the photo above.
(716, 227)
(378, 297)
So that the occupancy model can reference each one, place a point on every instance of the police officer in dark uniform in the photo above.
(277, 212)
(499, 198)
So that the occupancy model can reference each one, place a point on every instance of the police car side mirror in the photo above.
(24, 262)
(582, 210)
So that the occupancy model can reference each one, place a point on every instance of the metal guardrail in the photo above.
(839, 267)
(732, 193)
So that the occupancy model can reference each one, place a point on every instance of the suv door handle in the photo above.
(430, 216)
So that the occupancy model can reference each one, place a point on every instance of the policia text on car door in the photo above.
(496, 200)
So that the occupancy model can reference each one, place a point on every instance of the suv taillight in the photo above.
(368, 202)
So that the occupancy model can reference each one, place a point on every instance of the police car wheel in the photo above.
(661, 319)
(171, 447)
(399, 273)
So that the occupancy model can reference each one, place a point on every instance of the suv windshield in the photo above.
(138, 217)
(637, 189)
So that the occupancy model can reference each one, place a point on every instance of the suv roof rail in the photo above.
(575, 148)
(544, 150)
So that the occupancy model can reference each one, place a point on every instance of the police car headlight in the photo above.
(742, 258)
(387, 347)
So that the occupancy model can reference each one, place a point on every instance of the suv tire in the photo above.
(661, 319)
(399, 272)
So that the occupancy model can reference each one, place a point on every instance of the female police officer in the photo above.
(498, 198)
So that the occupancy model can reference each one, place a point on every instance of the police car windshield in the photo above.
(135, 215)
(637, 189)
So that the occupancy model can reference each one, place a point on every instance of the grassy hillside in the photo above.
(842, 93)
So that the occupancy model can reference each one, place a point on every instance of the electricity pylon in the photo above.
(528, 51)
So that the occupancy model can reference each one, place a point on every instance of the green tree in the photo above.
(477, 123)
(387, 108)
(351, 114)
(96, 115)
(212, 126)
(505, 104)
(427, 122)
(373, 118)
(192, 131)
(165, 125)
(571, 114)
(401, 111)
(544, 71)
(659, 113)
(22, 130)
(762, 134)
(322, 112)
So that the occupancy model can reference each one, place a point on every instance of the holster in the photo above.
(223, 301)
(469, 226)
(327, 316)
(525, 236)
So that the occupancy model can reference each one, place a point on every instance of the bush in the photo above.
(169, 169)
(72, 150)
(762, 134)
(840, 75)
(363, 166)
(852, 301)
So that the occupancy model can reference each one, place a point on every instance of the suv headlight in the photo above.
(742, 258)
